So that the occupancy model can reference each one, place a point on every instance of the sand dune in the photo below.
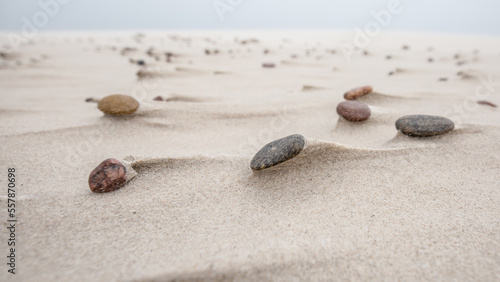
(362, 201)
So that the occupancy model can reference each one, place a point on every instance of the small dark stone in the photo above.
(108, 176)
(158, 98)
(430, 60)
(424, 125)
(278, 151)
(268, 65)
(443, 79)
(353, 110)
(388, 57)
(390, 73)
(91, 100)
(141, 62)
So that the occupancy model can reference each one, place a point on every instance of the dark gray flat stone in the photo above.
(278, 151)
(424, 125)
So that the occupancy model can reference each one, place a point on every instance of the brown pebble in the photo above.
(158, 98)
(355, 93)
(268, 65)
(353, 110)
(108, 176)
(482, 102)
(118, 104)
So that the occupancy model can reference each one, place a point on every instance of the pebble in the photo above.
(355, 93)
(424, 125)
(353, 110)
(268, 65)
(118, 104)
(278, 151)
(158, 98)
(108, 176)
(483, 102)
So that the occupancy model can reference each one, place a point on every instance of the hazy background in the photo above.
(455, 16)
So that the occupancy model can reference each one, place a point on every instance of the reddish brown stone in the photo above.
(108, 176)
(482, 102)
(353, 110)
(355, 93)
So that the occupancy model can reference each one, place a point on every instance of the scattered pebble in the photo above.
(268, 65)
(353, 111)
(91, 100)
(424, 125)
(443, 79)
(388, 57)
(118, 104)
(405, 47)
(358, 92)
(390, 73)
(158, 98)
(483, 102)
(278, 151)
(141, 62)
(108, 176)
(430, 60)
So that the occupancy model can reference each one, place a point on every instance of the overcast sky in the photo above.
(457, 16)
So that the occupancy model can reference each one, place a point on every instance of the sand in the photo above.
(361, 202)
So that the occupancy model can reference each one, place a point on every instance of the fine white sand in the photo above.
(361, 202)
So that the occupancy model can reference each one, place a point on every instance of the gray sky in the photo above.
(456, 16)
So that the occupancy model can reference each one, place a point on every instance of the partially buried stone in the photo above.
(355, 93)
(353, 110)
(424, 125)
(118, 105)
(278, 151)
(108, 176)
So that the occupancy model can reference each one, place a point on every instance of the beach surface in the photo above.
(361, 202)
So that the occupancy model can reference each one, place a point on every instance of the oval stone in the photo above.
(268, 65)
(108, 176)
(353, 110)
(118, 104)
(278, 151)
(355, 93)
(424, 125)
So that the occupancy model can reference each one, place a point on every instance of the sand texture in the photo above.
(360, 202)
